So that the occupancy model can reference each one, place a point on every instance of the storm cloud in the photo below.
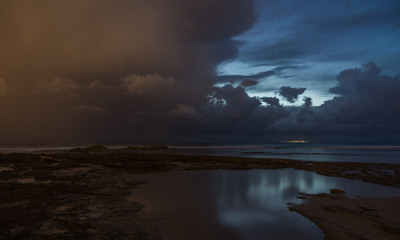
(365, 107)
(278, 71)
(291, 94)
(323, 37)
(3, 87)
(248, 83)
(273, 101)
(100, 70)
(231, 110)
(368, 98)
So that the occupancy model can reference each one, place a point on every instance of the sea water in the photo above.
(238, 204)
(308, 151)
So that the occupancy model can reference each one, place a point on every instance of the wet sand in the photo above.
(81, 194)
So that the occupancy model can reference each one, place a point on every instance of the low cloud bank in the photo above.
(367, 105)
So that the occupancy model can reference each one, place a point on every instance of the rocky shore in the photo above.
(81, 193)
(344, 218)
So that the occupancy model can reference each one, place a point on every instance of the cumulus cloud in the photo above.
(291, 94)
(367, 96)
(366, 105)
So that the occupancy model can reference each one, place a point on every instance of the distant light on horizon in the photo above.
(296, 141)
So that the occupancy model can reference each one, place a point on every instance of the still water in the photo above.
(247, 204)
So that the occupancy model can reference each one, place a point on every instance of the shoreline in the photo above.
(79, 194)
(343, 218)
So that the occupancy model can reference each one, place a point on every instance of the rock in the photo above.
(144, 148)
(159, 147)
(337, 191)
(93, 148)
(46, 159)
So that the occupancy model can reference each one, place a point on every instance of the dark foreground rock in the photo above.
(81, 194)
(68, 201)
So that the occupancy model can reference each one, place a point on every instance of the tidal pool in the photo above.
(238, 204)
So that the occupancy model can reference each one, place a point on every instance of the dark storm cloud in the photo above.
(100, 71)
(3, 87)
(232, 111)
(366, 107)
(104, 38)
(116, 71)
(368, 97)
(248, 83)
(89, 109)
(307, 102)
(291, 94)
(273, 101)
(239, 78)
(277, 71)
(234, 100)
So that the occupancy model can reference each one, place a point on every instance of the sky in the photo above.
(188, 71)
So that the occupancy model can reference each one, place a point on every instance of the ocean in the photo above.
(306, 151)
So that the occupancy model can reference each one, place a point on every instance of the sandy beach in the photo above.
(82, 193)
